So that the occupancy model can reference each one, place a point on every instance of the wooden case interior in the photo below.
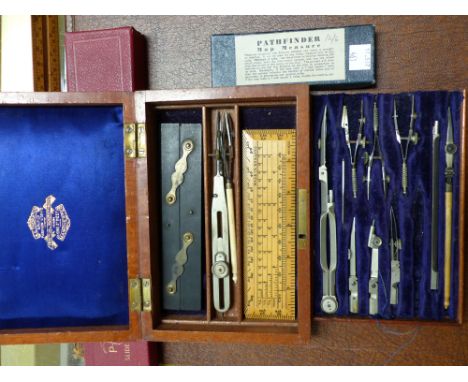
(210, 324)
(142, 208)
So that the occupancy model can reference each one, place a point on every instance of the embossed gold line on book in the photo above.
(269, 223)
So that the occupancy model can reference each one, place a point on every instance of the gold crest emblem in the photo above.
(49, 223)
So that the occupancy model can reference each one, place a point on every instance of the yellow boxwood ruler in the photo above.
(269, 223)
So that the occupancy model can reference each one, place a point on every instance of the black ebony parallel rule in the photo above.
(181, 216)
(396, 205)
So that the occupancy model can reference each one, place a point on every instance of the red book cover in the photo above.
(140, 353)
(106, 60)
(110, 60)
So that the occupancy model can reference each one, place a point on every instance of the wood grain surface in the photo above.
(46, 55)
(413, 53)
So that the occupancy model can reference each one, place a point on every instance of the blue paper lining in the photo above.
(413, 212)
(74, 153)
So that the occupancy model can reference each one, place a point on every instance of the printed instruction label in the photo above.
(360, 57)
(301, 56)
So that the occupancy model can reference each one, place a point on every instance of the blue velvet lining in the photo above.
(278, 117)
(75, 154)
(413, 212)
(179, 116)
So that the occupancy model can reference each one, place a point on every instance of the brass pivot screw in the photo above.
(376, 242)
(220, 269)
(171, 288)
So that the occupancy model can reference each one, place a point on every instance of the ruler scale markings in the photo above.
(260, 227)
(269, 208)
(268, 244)
(265, 256)
(270, 212)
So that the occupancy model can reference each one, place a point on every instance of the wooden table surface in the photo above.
(413, 53)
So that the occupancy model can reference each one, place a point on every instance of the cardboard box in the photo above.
(333, 57)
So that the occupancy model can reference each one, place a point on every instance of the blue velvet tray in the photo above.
(63, 251)
(413, 212)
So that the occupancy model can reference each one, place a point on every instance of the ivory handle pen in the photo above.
(232, 230)
(448, 249)
(450, 150)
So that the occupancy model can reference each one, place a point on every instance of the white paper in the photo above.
(360, 57)
(286, 57)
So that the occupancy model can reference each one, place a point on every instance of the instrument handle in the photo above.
(232, 230)
(448, 248)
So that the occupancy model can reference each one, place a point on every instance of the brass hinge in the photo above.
(140, 295)
(302, 206)
(135, 140)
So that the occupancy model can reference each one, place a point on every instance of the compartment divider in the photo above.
(237, 185)
(207, 171)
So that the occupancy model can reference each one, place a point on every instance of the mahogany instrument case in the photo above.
(84, 182)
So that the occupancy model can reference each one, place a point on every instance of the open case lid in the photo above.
(68, 217)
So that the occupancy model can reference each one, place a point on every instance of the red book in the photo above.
(140, 353)
(106, 60)
(110, 60)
